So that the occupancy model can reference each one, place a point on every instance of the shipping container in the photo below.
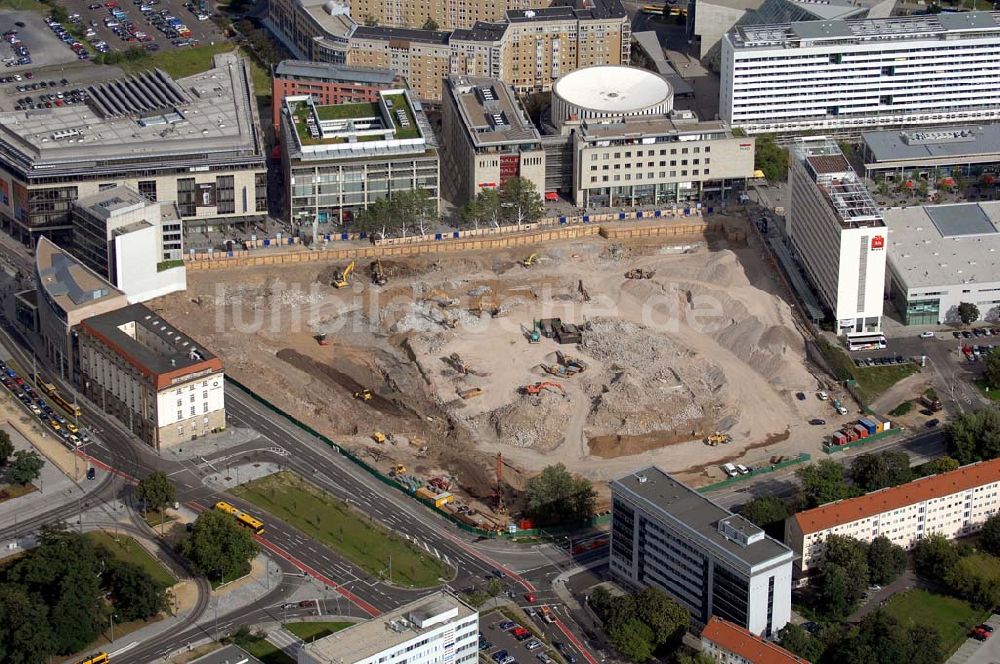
(862, 431)
(852, 435)
(869, 425)
(839, 438)
(886, 425)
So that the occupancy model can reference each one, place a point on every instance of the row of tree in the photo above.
(878, 639)
(975, 435)
(403, 214)
(517, 202)
(642, 624)
(849, 567)
(959, 569)
(59, 597)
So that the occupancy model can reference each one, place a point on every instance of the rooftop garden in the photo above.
(399, 101)
(347, 111)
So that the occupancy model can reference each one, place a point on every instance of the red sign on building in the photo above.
(510, 167)
(878, 242)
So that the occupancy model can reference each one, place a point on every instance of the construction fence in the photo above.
(374, 472)
(474, 240)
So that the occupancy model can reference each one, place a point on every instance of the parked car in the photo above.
(932, 423)
(927, 335)
(817, 422)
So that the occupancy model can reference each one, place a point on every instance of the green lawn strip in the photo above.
(991, 393)
(361, 540)
(154, 518)
(310, 631)
(871, 381)
(128, 550)
(12, 491)
(343, 111)
(180, 62)
(30, 5)
(952, 617)
(266, 652)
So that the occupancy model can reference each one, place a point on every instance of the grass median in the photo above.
(351, 534)
(870, 381)
(126, 549)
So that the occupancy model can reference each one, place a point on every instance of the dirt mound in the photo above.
(538, 421)
(329, 375)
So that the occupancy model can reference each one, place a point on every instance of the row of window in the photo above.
(652, 153)
(650, 176)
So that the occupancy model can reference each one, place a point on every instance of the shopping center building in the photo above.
(193, 141)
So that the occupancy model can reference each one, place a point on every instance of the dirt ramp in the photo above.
(331, 376)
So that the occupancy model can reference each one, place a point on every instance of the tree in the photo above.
(156, 491)
(942, 464)
(78, 614)
(886, 561)
(992, 368)
(6, 447)
(218, 547)
(823, 483)
(968, 313)
(695, 658)
(414, 205)
(798, 641)
(879, 470)
(556, 496)
(521, 200)
(934, 557)
(989, 538)
(881, 639)
(974, 436)
(25, 635)
(771, 158)
(666, 618)
(832, 591)
(633, 639)
(25, 468)
(851, 555)
(768, 512)
(969, 580)
(430, 24)
(137, 596)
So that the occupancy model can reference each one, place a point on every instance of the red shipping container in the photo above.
(839, 438)
(862, 432)
(852, 435)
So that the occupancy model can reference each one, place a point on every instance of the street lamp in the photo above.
(112, 617)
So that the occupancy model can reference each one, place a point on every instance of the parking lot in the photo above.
(156, 25)
(504, 641)
(44, 47)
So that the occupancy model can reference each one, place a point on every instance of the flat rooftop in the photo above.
(688, 510)
(935, 245)
(325, 71)
(154, 347)
(67, 281)
(490, 112)
(389, 629)
(902, 28)
(964, 143)
(208, 117)
(331, 16)
(651, 126)
(229, 655)
(846, 195)
(112, 201)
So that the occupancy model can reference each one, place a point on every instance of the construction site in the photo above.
(455, 370)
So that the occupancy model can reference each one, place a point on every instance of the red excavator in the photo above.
(536, 388)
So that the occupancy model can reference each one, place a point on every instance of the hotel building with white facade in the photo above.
(837, 234)
(846, 75)
(436, 629)
(713, 562)
(953, 504)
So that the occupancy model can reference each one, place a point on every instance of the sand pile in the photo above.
(632, 406)
(538, 421)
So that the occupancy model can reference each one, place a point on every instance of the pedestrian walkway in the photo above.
(281, 638)
(905, 581)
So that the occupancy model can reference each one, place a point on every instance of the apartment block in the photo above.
(728, 643)
(953, 504)
(837, 234)
(436, 629)
(847, 75)
(713, 562)
(528, 48)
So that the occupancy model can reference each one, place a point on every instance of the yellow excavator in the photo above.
(340, 280)
(378, 273)
(529, 261)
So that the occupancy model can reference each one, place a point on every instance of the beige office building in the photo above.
(490, 139)
(953, 504)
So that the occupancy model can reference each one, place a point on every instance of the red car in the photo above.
(520, 633)
(979, 634)
(530, 597)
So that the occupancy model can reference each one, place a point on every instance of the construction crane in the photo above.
(537, 388)
(340, 280)
(378, 273)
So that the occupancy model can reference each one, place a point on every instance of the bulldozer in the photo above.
(558, 370)
(537, 388)
(364, 394)
(398, 469)
(456, 362)
(340, 280)
(440, 298)
(639, 273)
(570, 362)
(378, 437)
(528, 261)
(378, 273)
(714, 439)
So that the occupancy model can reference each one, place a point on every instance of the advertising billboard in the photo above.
(205, 194)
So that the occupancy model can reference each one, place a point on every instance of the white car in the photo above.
(743, 470)
(926, 335)
(533, 644)
(822, 396)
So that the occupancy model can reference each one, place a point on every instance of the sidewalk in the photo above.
(905, 581)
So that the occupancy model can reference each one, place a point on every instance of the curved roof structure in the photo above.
(66, 281)
(613, 89)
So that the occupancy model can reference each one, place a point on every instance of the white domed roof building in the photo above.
(610, 92)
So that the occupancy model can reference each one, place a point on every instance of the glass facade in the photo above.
(186, 197)
(225, 192)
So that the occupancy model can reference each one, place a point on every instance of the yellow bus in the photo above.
(68, 406)
(674, 10)
(242, 518)
(99, 658)
(44, 385)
